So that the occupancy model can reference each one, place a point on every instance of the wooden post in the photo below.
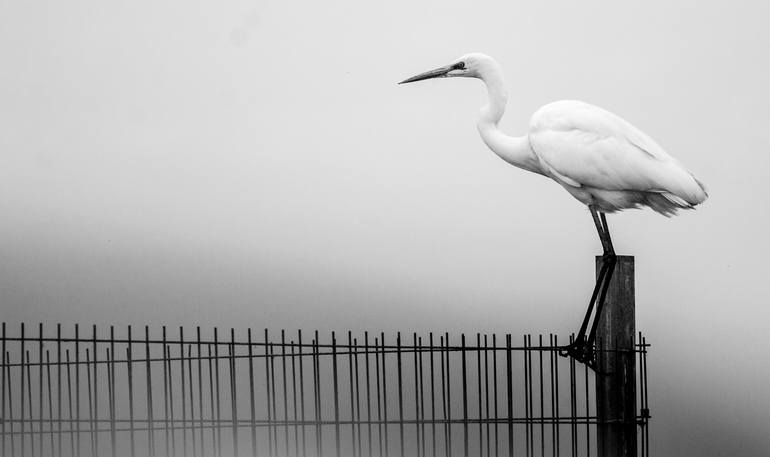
(616, 365)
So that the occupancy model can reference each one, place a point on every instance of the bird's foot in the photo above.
(580, 351)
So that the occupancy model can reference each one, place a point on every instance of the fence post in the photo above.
(616, 365)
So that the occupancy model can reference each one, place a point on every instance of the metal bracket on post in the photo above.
(616, 364)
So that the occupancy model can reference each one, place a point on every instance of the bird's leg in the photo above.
(609, 261)
(600, 221)
(609, 265)
(578, 348)
(581, 348)
(600, 229)
(607, 243)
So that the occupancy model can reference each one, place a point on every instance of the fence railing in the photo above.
(113, 392)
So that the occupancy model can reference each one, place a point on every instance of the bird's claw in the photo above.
(580, 351)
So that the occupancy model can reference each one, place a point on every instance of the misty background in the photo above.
(255, 164)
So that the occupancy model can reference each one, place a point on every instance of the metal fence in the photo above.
(113, 392)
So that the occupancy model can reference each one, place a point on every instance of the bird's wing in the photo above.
(584, 145)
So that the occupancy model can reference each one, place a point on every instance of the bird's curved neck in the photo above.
(514, 150)
(493, 111)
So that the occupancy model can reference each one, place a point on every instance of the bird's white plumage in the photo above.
(597, 156)
(603, 159)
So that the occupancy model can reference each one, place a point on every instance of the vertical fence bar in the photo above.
(96, 394)
(294, 397)
(92, 424)
(494, 389)
(192, 400)
(251, 397)
(368, 395)
(556, 383)
(77, 389)
(486, 390)
(110, 388)
(553, 393)
(148, 369)
(40, 386)
(400, 395)
(129, 366)
(527, 396)
(384, 392)
(69, 403)
(542, 404)
(444, 395)
(314, 353)
(212, 417)
(352, 399)
(588, 412)
(21, 387)
(422, 397)
(640, 389)
(358, 396)
(379, 406)
(7, 357)
(28, 378)
(25, 383)
(113, 403)
(465, 396)
(416, 396)
(165, 390)
(29, 399)
(217, 390)
(285, 395)
(26, 371)
(274, 397)
(58, 387)
(201, 430)
(432, 397)
(478, 384)
(183, 390)
(646, 396)
(336, 396)
(2, 392)
(448, 394)
(267, 394)
(302, 391)
(573, 406)
(509, 387)
(233, 396)
(530, 353)
(317, 373)
(170, 370)
(531, 412)
(50, 404)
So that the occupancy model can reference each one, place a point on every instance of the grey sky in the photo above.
(254, 163)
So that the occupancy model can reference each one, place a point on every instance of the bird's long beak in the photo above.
(437, 73)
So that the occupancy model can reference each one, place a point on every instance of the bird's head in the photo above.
(473, 65)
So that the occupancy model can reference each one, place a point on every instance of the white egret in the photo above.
(598, 157)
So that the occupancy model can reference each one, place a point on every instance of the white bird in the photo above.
(598, 157)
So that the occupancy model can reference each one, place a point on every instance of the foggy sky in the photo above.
(255, 164)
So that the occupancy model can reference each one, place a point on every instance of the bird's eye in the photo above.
(459, 66)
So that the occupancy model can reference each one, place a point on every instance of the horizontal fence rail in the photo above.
(116, 392)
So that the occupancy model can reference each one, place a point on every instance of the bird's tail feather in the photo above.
(666, 203)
